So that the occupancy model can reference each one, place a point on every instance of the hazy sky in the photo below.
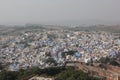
(60, 11)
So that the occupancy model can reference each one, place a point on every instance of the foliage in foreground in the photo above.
(60, 73)
(72, 74)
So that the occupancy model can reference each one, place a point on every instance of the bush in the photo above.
(72, 74)
(60, 73)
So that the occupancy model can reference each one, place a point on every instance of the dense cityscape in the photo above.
(46, 48)
(59, 40)
(36, 48)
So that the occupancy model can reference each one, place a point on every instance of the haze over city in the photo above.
(61, 12)
(59, 40)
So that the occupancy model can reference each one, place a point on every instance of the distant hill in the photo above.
(98, 28)
(5, 30)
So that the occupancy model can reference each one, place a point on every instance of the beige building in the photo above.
(40, 78)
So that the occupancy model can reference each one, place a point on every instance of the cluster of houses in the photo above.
(51, 48)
